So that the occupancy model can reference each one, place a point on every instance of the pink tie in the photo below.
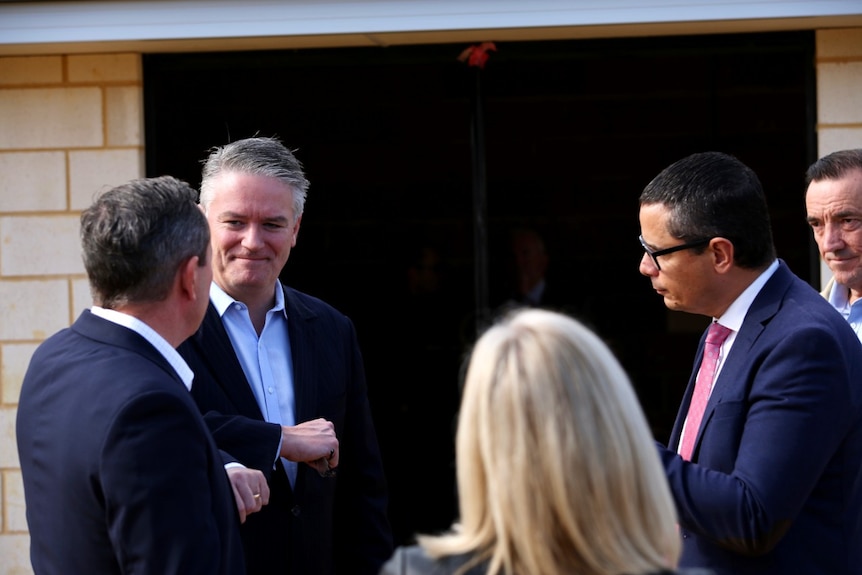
(703, 386)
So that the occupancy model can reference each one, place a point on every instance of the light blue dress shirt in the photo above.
(266, 359)
(839, 297)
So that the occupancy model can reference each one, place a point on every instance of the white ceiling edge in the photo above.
(157, 25)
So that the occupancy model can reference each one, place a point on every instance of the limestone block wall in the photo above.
(69, 126)
(839, 96)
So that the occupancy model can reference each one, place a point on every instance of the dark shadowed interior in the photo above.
(421, 165)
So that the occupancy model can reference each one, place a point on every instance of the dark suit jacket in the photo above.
(775, 482)
(120, 472)
(325, 525)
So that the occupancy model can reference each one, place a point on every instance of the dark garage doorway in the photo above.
(573, 130)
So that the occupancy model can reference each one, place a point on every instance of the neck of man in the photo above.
(258, 301)
(165, 318)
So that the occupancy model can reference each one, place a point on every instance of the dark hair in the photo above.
(712, 194)
(834, 166)
(135, 237)
(259, 156)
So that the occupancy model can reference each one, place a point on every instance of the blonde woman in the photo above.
(557, 469)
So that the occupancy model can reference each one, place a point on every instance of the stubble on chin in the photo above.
(851, 280)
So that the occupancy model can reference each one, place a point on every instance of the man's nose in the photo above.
(832, 239)
(647, 267)
(253, 237)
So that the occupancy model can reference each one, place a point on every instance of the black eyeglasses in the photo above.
(655, 254)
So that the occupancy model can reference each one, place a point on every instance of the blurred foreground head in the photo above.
(557, 468)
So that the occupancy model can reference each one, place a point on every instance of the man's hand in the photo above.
(312, 442)
(249, 489)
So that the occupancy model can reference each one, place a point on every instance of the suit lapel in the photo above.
(762, 310)
(111, 334)
(214, 346)
(300, 325)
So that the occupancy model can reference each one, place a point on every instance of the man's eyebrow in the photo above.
(278, 219)
(842, 215)
(238, 216)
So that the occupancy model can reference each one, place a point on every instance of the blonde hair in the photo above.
(557, 469)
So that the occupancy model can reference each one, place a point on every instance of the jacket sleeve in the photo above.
(154, 477)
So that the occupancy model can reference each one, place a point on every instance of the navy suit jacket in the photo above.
(323, 525)
(775, 481)
(120, 472)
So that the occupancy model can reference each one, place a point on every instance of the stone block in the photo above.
(839, 43)
(13, 502)
(104, 68)
(124, 116)
(93, 171)
(15, 551)
(40, 245)
(32, 310)
(14, 359)
(833, 139)
(839, 93)
(52, 118)
(32, 181)
(8, 446)
(19, 70)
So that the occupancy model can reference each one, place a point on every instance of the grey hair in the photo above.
(259, 156)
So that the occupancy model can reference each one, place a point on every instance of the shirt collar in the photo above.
(222, 301)
(735, 314)
(839, 296)
(152, 336)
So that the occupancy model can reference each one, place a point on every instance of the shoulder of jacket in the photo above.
(412, 560)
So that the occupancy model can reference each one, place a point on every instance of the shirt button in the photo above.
(270, 389)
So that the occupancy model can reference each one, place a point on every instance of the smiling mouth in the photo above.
(250, 258)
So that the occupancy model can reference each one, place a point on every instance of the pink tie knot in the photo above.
(717, 333)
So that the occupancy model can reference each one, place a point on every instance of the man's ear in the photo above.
(187, 278)
(722, 254)
(295, 231)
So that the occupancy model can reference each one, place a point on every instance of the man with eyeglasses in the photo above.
(765, 456)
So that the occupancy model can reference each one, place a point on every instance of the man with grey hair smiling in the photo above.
(280, 380)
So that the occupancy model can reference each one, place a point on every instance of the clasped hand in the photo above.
(313, 443)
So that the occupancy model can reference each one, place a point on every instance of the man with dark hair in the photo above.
(834, 204)
(120, 472)
(765, 457)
